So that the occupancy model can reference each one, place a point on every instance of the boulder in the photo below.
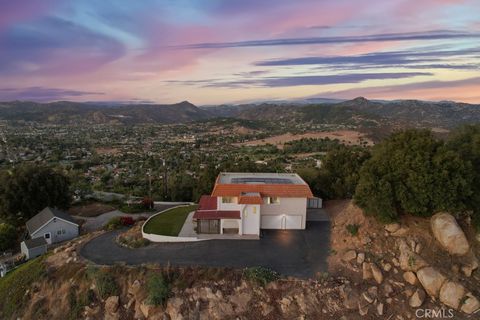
(387, 289)
(410, 278)
(451, 294)
(449, 234)
(409, 260)
(135, 288)
(111, 304)
(380, 309)
(146, 309)
(377, 273)
(363, 308)
(470, 304)
(350, 297)
(349, 255)
(431, 280)
(173, 308)
(392, 227)
(400, 232)
(387, 267)
(360, 258)
(366, 271)
(417, 299)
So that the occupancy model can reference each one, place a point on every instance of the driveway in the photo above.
(98, 222)
(300, 253)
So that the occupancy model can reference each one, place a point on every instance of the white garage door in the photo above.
(293, 222)
(282, 222)
(272, 222)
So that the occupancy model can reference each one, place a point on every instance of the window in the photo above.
(59, 232)
(255, 209)
(273, 200)
(47, 235)
(227, 199)
(63, 231)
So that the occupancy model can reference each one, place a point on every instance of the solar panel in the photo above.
(260, 180)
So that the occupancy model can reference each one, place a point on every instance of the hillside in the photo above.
(362, 112)
(65, 112)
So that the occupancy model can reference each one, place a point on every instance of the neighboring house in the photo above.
(33, 248)
(53, 225)
(244, 203)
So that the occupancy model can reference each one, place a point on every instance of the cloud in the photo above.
(303, 80)
(404, 89)
(55, 45)
(42, 94)
(409, 36)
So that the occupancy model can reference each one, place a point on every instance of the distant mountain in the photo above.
(65, 112)
(360, 111)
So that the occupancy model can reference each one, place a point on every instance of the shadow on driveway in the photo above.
(299, 253)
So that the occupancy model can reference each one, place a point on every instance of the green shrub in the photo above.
(353, 229)
(105, 283)
(158, 289)
(14, 285)
(8, 236)
(261, 275)
(113, 224)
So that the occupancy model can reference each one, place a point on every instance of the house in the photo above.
(53, 225)
(244, 203)
(33, 248)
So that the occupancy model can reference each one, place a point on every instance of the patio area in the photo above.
(188, 230)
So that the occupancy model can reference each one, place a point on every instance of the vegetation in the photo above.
(466, 143)
(339, 174)
(261, 275)
(158, 289)
(105, 282)
(14, 285)
(27, 189)
(8, 236)
(113, 224)
(412, 172)
(353, 229)
(170, 222)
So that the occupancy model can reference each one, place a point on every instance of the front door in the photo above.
(48, 237)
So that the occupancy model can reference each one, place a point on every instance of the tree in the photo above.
(28, 189)
(8, 236)
(412, 172)
(340, 170)
(465, 142)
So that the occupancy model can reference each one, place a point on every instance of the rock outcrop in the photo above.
(451, 294)
(449, 234)
(431, 280)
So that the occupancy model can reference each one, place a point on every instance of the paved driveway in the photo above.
(300, 253)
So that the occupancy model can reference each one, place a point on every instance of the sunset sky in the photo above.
(230, 51)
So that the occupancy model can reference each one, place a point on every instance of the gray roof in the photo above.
(37, 221)
(34, 243)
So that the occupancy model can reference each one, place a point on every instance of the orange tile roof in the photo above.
(250, 200)
(266, 190)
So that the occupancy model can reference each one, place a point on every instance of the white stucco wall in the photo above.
(287, 206)
(228, 206)
(251, 219)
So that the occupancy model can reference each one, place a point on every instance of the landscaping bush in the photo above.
(158, 289)
(113, 224)
(148, 203)
(127, 221)
(8, 236)
(261, 275)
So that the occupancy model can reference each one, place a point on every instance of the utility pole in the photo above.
(149, 174)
